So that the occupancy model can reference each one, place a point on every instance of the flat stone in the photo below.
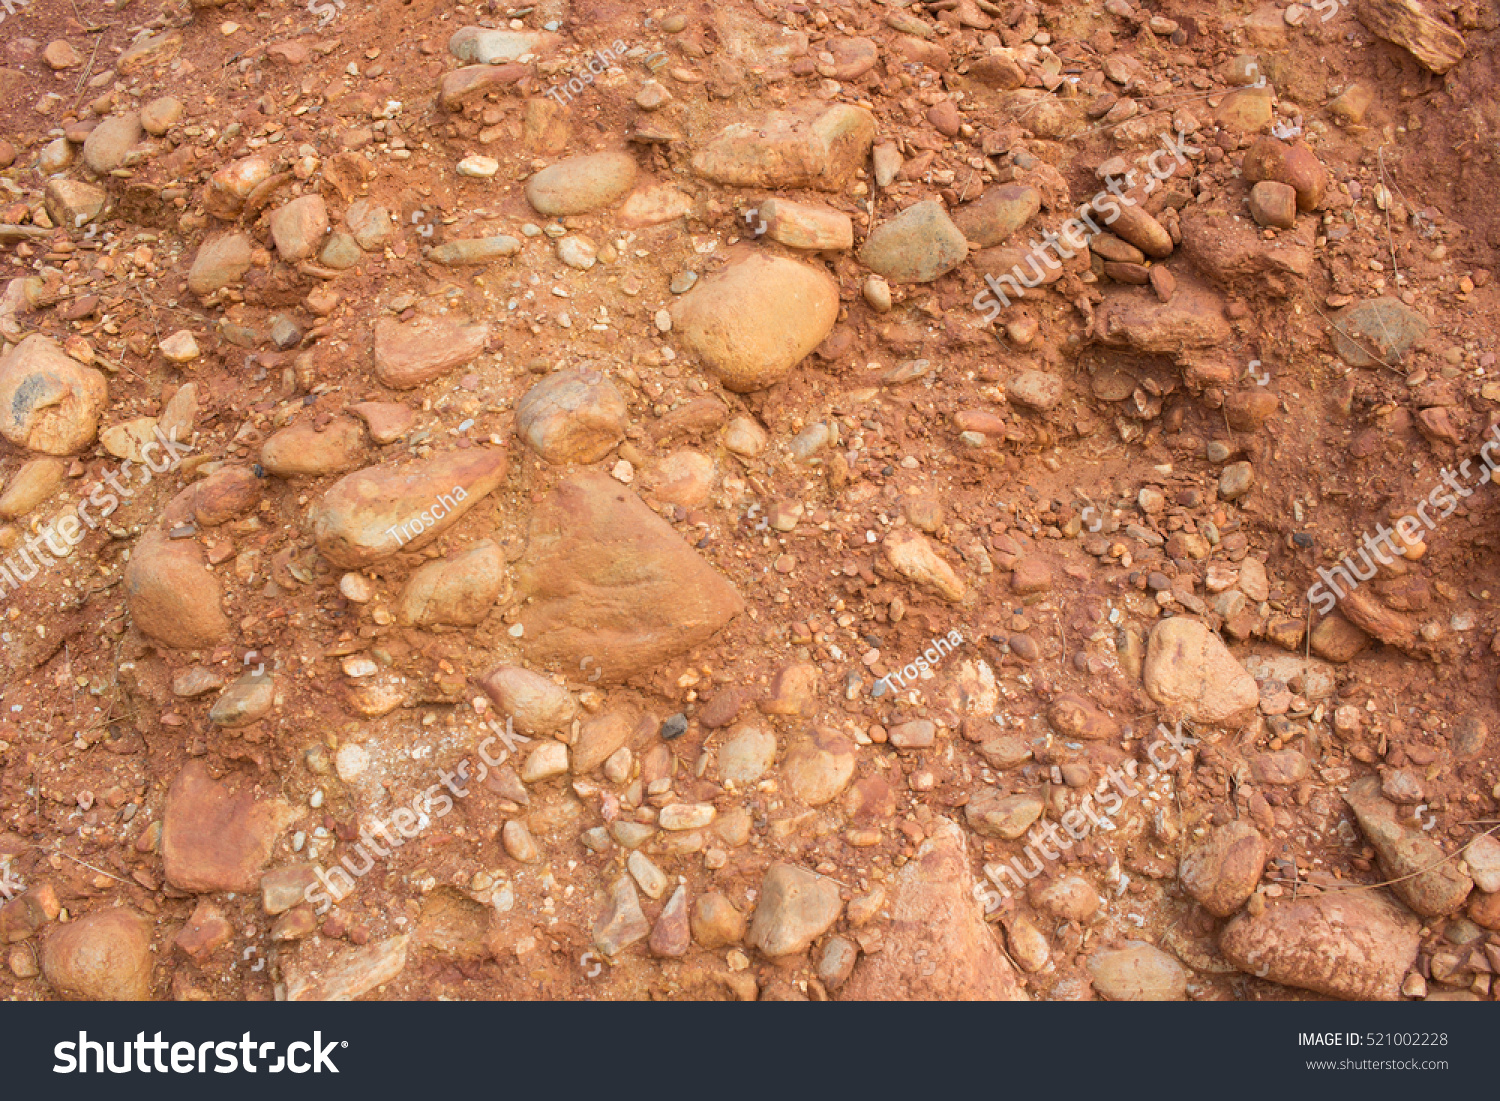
(918, 245)
(160, 115)
(993, 814)
(604, 577)
(1385, 326)
(220, 262)
(110, 143)
(303, 450)
(1133, 318)
(913, 556)
(1427, 883)
(298, 227)
(990, 219)
(248, 699)
(72, 204)
(457, 591)
(600, 738)
(622, 923)
(1138, 973)
(36, 481)
(352, 973)
(49, 402)
(671, 936)
(819, 764)
(747, 754)
(172, 596)
(283, 888)
(409, 354)
(217, 835)
(474, 251)
(805, 226)
(485, 46)
(538, 706)
(1034, 390)
(579, 185)
(716, 923)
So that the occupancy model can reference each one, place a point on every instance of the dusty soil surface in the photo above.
(388, 683)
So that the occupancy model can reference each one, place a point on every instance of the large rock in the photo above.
(606, 578)
(916, 246)
(221, 262)
(373, 513)
(795, 907)
(49, 401)
(173, 597)
(937, 946)
(1353, 944)
(782, 150)
(458, 591)
(104, 956)
(1136, 318)
(72, 204)
(1191, 672)
(581, 184)
(1223, 870)
(723, 320)
(1426, 881)
(573, 416)
(408, 354)
(217, 836)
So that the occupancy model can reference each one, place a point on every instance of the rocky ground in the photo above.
(470, 473)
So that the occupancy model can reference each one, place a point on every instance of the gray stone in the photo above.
(916, 246)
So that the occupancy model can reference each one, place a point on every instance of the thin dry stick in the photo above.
(1389, 240)
(1346, 336)
(78, 91)
(1403, 878)
(101, 871)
